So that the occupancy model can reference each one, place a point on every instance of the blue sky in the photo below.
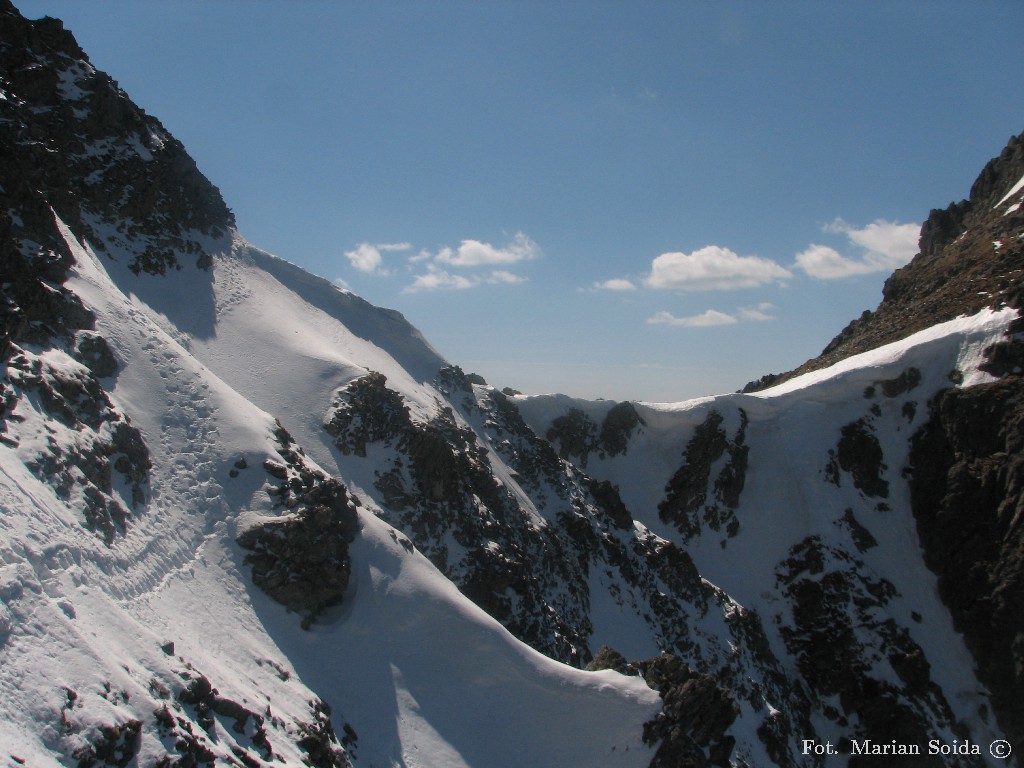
(645, 200)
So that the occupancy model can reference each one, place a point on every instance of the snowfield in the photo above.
(421, 675)
(411, 671)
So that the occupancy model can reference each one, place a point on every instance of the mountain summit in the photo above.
(251, 519)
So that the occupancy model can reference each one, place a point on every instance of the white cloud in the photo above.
(473, 253)
(712, 317)
(366, 257)
(436, 279)
(704, 320)
(445, 268)
(759, 313)
(884, 246)
(827, 263)
(713, 268)
(501, 276)
(394, 246)
(616, 284)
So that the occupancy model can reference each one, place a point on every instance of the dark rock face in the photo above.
(115, 745)
(686, 504)
(541, 570)
(859, 453)
(577, 436)
(73, 142)
(967, 481)
(301, 560)
(840, 637)
(320, 742)
(369, 412)
(691, 730)
(195, 716)
(101, 448)
(440, 488)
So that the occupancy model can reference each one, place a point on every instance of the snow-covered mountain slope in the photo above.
(249, 518)
(794, 502)
(108, 641)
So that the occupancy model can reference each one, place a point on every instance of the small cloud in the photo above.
(365, 258)
(713, 268)
(884, 245)
(501, 276)
(473, 253)
(827, 263)
(469, 255)
(341, 285)
(438, 279)
(758, 314)
(706, 319)
(616, 284)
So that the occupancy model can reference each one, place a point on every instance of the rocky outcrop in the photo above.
(73, 143)
(301, 559)
(114, 745)
(565, 547)
(967, 493)
(691, 731)
(577, 436)
(198, 724)
(859, 453)
(686, 504)
(100, 461)
(436, 483)
(843, 638)
(368, 412)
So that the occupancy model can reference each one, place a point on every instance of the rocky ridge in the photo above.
(969, 259)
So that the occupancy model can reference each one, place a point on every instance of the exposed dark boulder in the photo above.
(841, 637)
(114, 745)
(92, 350)
(301, 559)
(617, 428)
(859, 453)
(366, 411)
(104, 440)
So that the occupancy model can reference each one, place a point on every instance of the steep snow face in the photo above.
(153, 641)
(794, 502)
(742, 533)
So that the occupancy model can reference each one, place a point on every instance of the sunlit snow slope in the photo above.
(419, 674)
